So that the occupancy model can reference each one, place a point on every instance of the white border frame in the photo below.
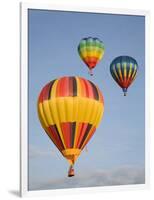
(24, 96)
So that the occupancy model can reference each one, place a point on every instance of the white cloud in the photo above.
(120, 176)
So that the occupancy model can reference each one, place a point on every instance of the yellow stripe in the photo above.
(50, 108)
(99, 116)
(76, 134)
(68, 152)
(83, 54)
(42, 117)
(130, 70)
(98, 119)
(135, 68)
(115, 72)
(70, 109)
(95, 52)
(134, 77)
(90, 52)
(47, 112)
(54, 87)
(63, 109)
(79, 93)
(101, 55)
(119, 70)
(125, 71)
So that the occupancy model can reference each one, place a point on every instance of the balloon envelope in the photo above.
(70, 109)
(124, 70)
(91, 51)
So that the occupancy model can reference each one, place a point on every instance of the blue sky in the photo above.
(116, 151)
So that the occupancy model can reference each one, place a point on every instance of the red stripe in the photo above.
(44, 93)
(81, 133)
(67, 86)
(91, 61)
(62, 89)
(66, 130)
(129, 82)
(70, 86)
(89, 89)
(54, 137)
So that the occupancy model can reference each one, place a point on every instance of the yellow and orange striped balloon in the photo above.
(70, 109)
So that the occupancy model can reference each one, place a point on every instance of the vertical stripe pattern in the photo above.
(70, 87)
(70, 109)
(123, 70)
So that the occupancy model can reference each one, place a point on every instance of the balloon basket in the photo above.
(91, 72)
(125, 91)
(71, 171)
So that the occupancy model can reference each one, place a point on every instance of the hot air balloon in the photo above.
(70, 109)
(91, 51)
(123, 70)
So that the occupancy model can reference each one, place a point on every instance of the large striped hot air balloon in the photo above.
(124, 70)
(91, 51)
(70, 109)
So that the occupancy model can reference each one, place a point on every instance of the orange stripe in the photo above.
(81, 134)
(90, 58)
(89, 89)
(63, 87)
(66, 133)
(83, 88)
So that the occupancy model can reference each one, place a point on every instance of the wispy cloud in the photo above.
(120, 176)
(35, 152)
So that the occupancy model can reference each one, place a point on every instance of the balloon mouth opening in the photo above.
(71, 155)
